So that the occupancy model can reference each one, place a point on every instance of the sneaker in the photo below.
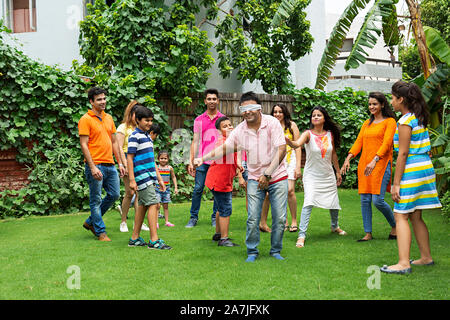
(192, 223)
(213, 222)
(139, 242)
(227, 243)
(160, 216)
(277, 256)
(216, 236)
(158, 244)
(119, 208)
(168, 224)
(123, 227)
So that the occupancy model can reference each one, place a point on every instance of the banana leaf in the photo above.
(370, 32)
(437, 46)
(336, 40)
(284, 11)
(430, 87)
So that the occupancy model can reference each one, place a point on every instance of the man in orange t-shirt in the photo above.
(98, 143)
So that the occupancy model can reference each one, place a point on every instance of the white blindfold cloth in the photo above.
(250, 107)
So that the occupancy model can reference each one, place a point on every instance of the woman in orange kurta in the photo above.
(375, 139)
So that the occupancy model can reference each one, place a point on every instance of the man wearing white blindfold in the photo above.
(262, 138)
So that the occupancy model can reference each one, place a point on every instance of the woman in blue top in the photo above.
(414, 186)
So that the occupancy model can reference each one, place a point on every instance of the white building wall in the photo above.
(56, 40)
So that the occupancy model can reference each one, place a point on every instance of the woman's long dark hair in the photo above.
(329, 125)
(386, 110)
(286, 116)
(413, 100)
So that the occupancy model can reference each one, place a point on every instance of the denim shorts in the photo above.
(163, 197)
(222, 201)
(147, 196)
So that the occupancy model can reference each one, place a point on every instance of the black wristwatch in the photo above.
(268, 177)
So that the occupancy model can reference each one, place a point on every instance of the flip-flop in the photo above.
(423, 264)
(293, 229)
(386, 269)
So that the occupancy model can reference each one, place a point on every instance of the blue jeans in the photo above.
(99, 206)
(379, 203)
(278, 201)
(200, 177)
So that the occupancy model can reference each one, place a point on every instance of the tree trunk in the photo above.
(422, 47)
(419, 35)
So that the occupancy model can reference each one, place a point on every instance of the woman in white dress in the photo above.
(319, 180)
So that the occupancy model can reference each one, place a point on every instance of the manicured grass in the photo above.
(37, 251)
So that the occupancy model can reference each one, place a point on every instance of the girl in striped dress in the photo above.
(167, 173)
(414, 186)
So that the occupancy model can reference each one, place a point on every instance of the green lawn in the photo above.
(36, 253)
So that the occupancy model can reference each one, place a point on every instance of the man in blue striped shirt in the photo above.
(143, 174)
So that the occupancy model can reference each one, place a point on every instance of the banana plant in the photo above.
(336, 40)
(284, 11)
(382, 13)
(437, 45)
(432, 86)
(440, 140)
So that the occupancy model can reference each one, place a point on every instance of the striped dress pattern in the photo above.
(165, 174)
(418, 183)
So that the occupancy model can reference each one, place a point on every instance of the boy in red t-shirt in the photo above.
(219, 180)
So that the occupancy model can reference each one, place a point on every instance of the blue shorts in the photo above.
(163, 197)
(222, 201)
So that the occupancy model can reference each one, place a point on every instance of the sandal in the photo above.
(300, 243)
(293, 229)
(286, 228)
(339, 231)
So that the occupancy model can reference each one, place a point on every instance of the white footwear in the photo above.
(339, 231)
(119, 208)
(144, 227)
(123, 227)
(300, 242)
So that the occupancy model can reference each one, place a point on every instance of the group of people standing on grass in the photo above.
(264, 151)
